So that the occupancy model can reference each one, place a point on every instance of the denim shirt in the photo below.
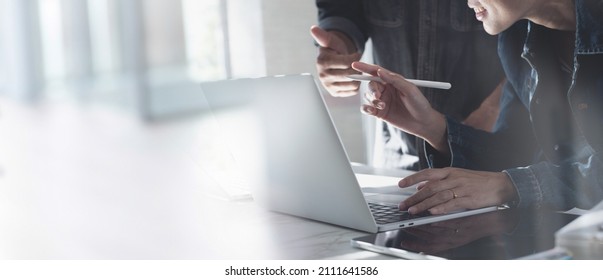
(422, 39)
(550, 122)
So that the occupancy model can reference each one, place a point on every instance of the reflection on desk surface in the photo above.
(505, 234)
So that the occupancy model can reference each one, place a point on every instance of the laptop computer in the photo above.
(281, 134)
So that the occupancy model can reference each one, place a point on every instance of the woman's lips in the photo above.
(480, 13)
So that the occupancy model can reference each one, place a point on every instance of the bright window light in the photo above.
(103, 33)
(51, 31)
(205, 44)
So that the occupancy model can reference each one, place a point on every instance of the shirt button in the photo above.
(556, 147)
(537, 101)
(582, 106)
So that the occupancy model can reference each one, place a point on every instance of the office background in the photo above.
(148, 56)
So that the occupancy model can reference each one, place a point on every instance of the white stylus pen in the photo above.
(419, 83)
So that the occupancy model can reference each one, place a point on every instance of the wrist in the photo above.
(436, 133)
(509, 193)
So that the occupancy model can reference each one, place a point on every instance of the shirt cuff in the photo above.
(526, 185)
(435, 159)
(455, 156)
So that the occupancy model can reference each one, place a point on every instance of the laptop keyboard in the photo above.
(385, 214)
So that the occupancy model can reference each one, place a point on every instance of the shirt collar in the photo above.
(589, 29)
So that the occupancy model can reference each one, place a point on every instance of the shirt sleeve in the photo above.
(571, 184)
(344, 16)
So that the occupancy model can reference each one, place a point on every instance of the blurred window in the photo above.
(104, 32)
(51, 33)
(91, 46)
(206, 49)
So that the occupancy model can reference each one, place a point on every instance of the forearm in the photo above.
(485, 116)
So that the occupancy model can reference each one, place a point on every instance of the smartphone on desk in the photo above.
(498, 235)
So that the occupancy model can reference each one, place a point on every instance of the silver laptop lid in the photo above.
(287, 143)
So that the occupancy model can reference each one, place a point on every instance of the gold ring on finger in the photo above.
(454, 195)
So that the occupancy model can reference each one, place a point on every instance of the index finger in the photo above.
(366, 68)
(421, 176)
(396, 80)
(388, 77)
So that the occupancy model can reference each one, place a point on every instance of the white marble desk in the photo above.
(87, 182)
